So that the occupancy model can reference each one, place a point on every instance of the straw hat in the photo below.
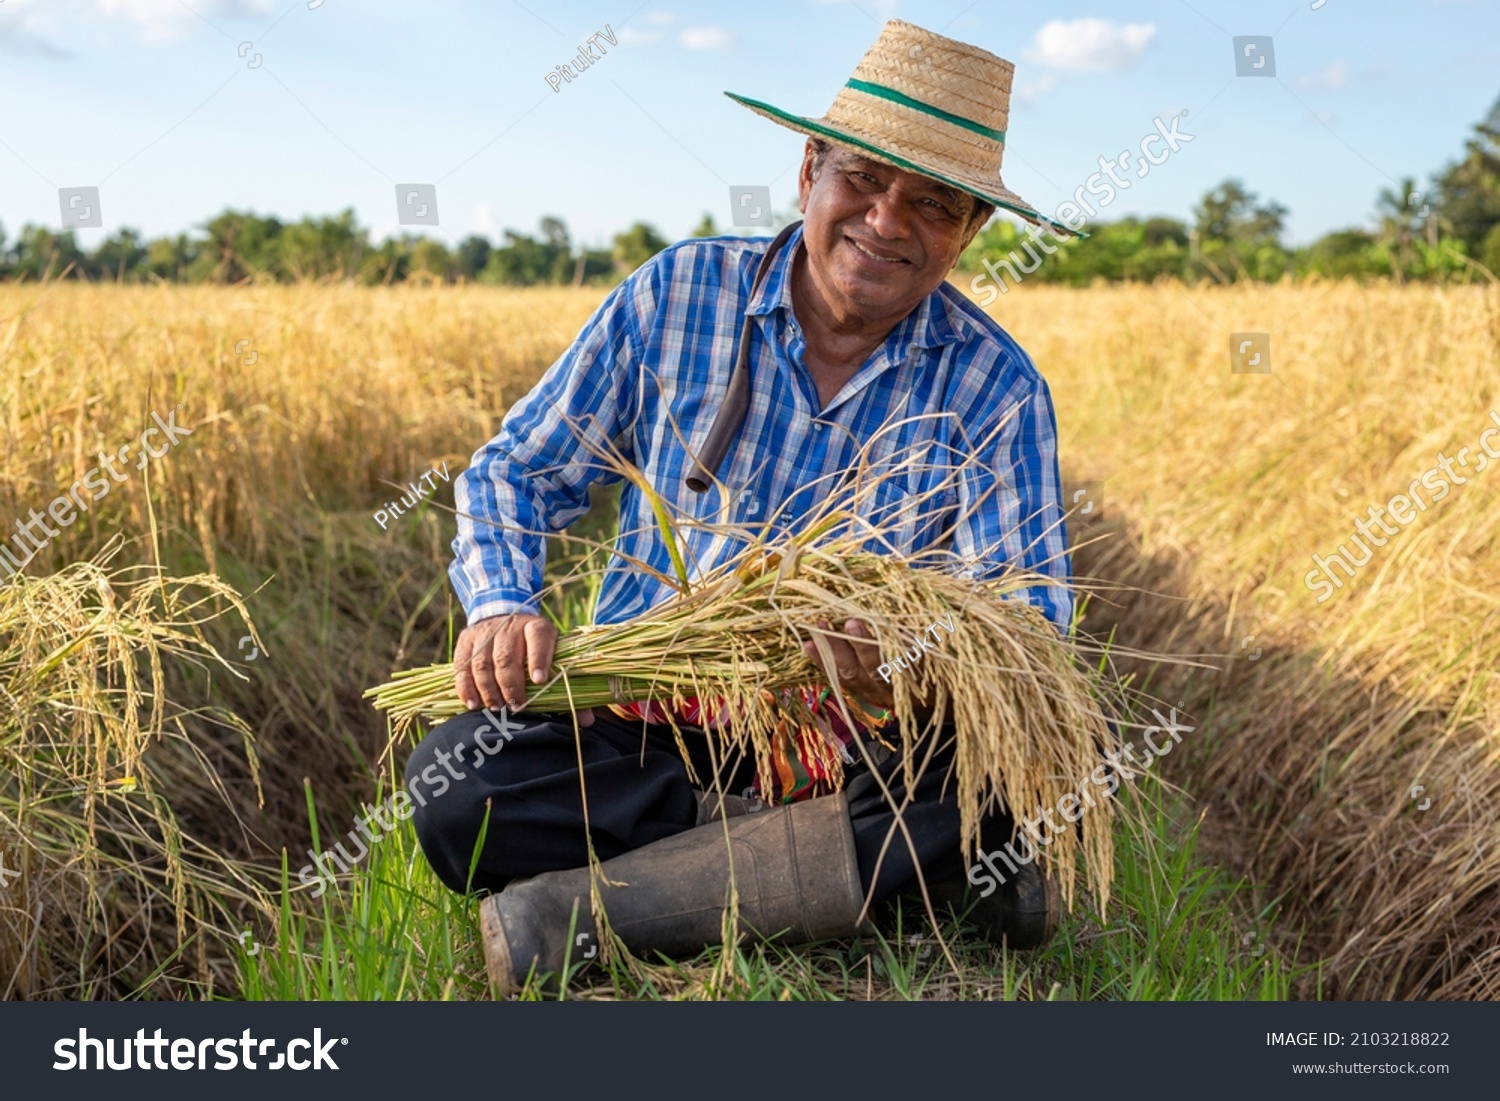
(928, 104)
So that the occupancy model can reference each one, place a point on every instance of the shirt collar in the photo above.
(927, 326)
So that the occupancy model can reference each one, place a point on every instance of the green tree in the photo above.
(472, 256)
(1468, 191)
(315, 248)
(706, 228)
(171, 257)
(555, 234)
(1346, 252)
(1489, 254)
(560, 263)
(40, 252)
(119, 256)
(430, 258)
(522, 261)
(635, 246)
(1401, 221)
(1238, 239)
(1229, 214)
(240, 247)
(598, 267)
(526, 261)
(1157, 232)
(389, 263)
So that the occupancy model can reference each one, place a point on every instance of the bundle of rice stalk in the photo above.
(1025, 707)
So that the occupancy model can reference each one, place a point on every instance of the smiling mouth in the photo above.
(876, 256)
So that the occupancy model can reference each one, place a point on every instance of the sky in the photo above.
(177, 109)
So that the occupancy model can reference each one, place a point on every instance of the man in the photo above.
(853, 328)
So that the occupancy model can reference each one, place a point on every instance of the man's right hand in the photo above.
(493, 657)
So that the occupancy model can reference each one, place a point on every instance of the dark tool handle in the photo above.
(731, 415)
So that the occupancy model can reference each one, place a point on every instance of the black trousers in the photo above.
(638, 792)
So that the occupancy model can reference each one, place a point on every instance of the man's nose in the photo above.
(889, 216)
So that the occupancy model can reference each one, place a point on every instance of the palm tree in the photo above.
(1401, 218)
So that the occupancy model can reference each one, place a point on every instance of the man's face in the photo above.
(880, 239)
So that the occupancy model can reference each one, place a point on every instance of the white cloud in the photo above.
(1096, 45)
(151, 21)
(660, 18)
(1335, 76)
(705, 38)
(148, 11)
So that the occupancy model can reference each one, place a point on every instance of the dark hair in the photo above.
(977, 217)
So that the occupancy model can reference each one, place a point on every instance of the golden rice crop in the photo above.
(1217, 489)
(84, 815)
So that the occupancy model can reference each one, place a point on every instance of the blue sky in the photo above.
(150, 100)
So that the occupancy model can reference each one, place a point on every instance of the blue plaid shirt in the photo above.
(646, 377)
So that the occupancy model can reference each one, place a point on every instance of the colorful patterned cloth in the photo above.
(802, 757)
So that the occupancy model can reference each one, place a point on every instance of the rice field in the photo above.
(1328, 829)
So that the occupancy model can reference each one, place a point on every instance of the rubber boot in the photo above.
(1022, 914)
(713, 805)
(794, 867)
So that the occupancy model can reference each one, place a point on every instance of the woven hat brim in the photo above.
(1001, 196)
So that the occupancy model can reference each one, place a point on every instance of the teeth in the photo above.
(872, 256)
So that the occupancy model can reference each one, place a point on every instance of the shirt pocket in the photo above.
(910, 511)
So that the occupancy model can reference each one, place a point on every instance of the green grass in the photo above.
(1177, 929)
(389, 932)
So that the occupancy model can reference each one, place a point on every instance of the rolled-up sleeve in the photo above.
(1011, 502)
(533, 478)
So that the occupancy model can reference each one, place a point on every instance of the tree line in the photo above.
(1445, 232)
(238, 247)
(1438, 234)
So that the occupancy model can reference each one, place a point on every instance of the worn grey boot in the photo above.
(794, 867)
(713, 805)
(1022, 914)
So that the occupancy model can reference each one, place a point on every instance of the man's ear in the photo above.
(804, 176)
(968, 240)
